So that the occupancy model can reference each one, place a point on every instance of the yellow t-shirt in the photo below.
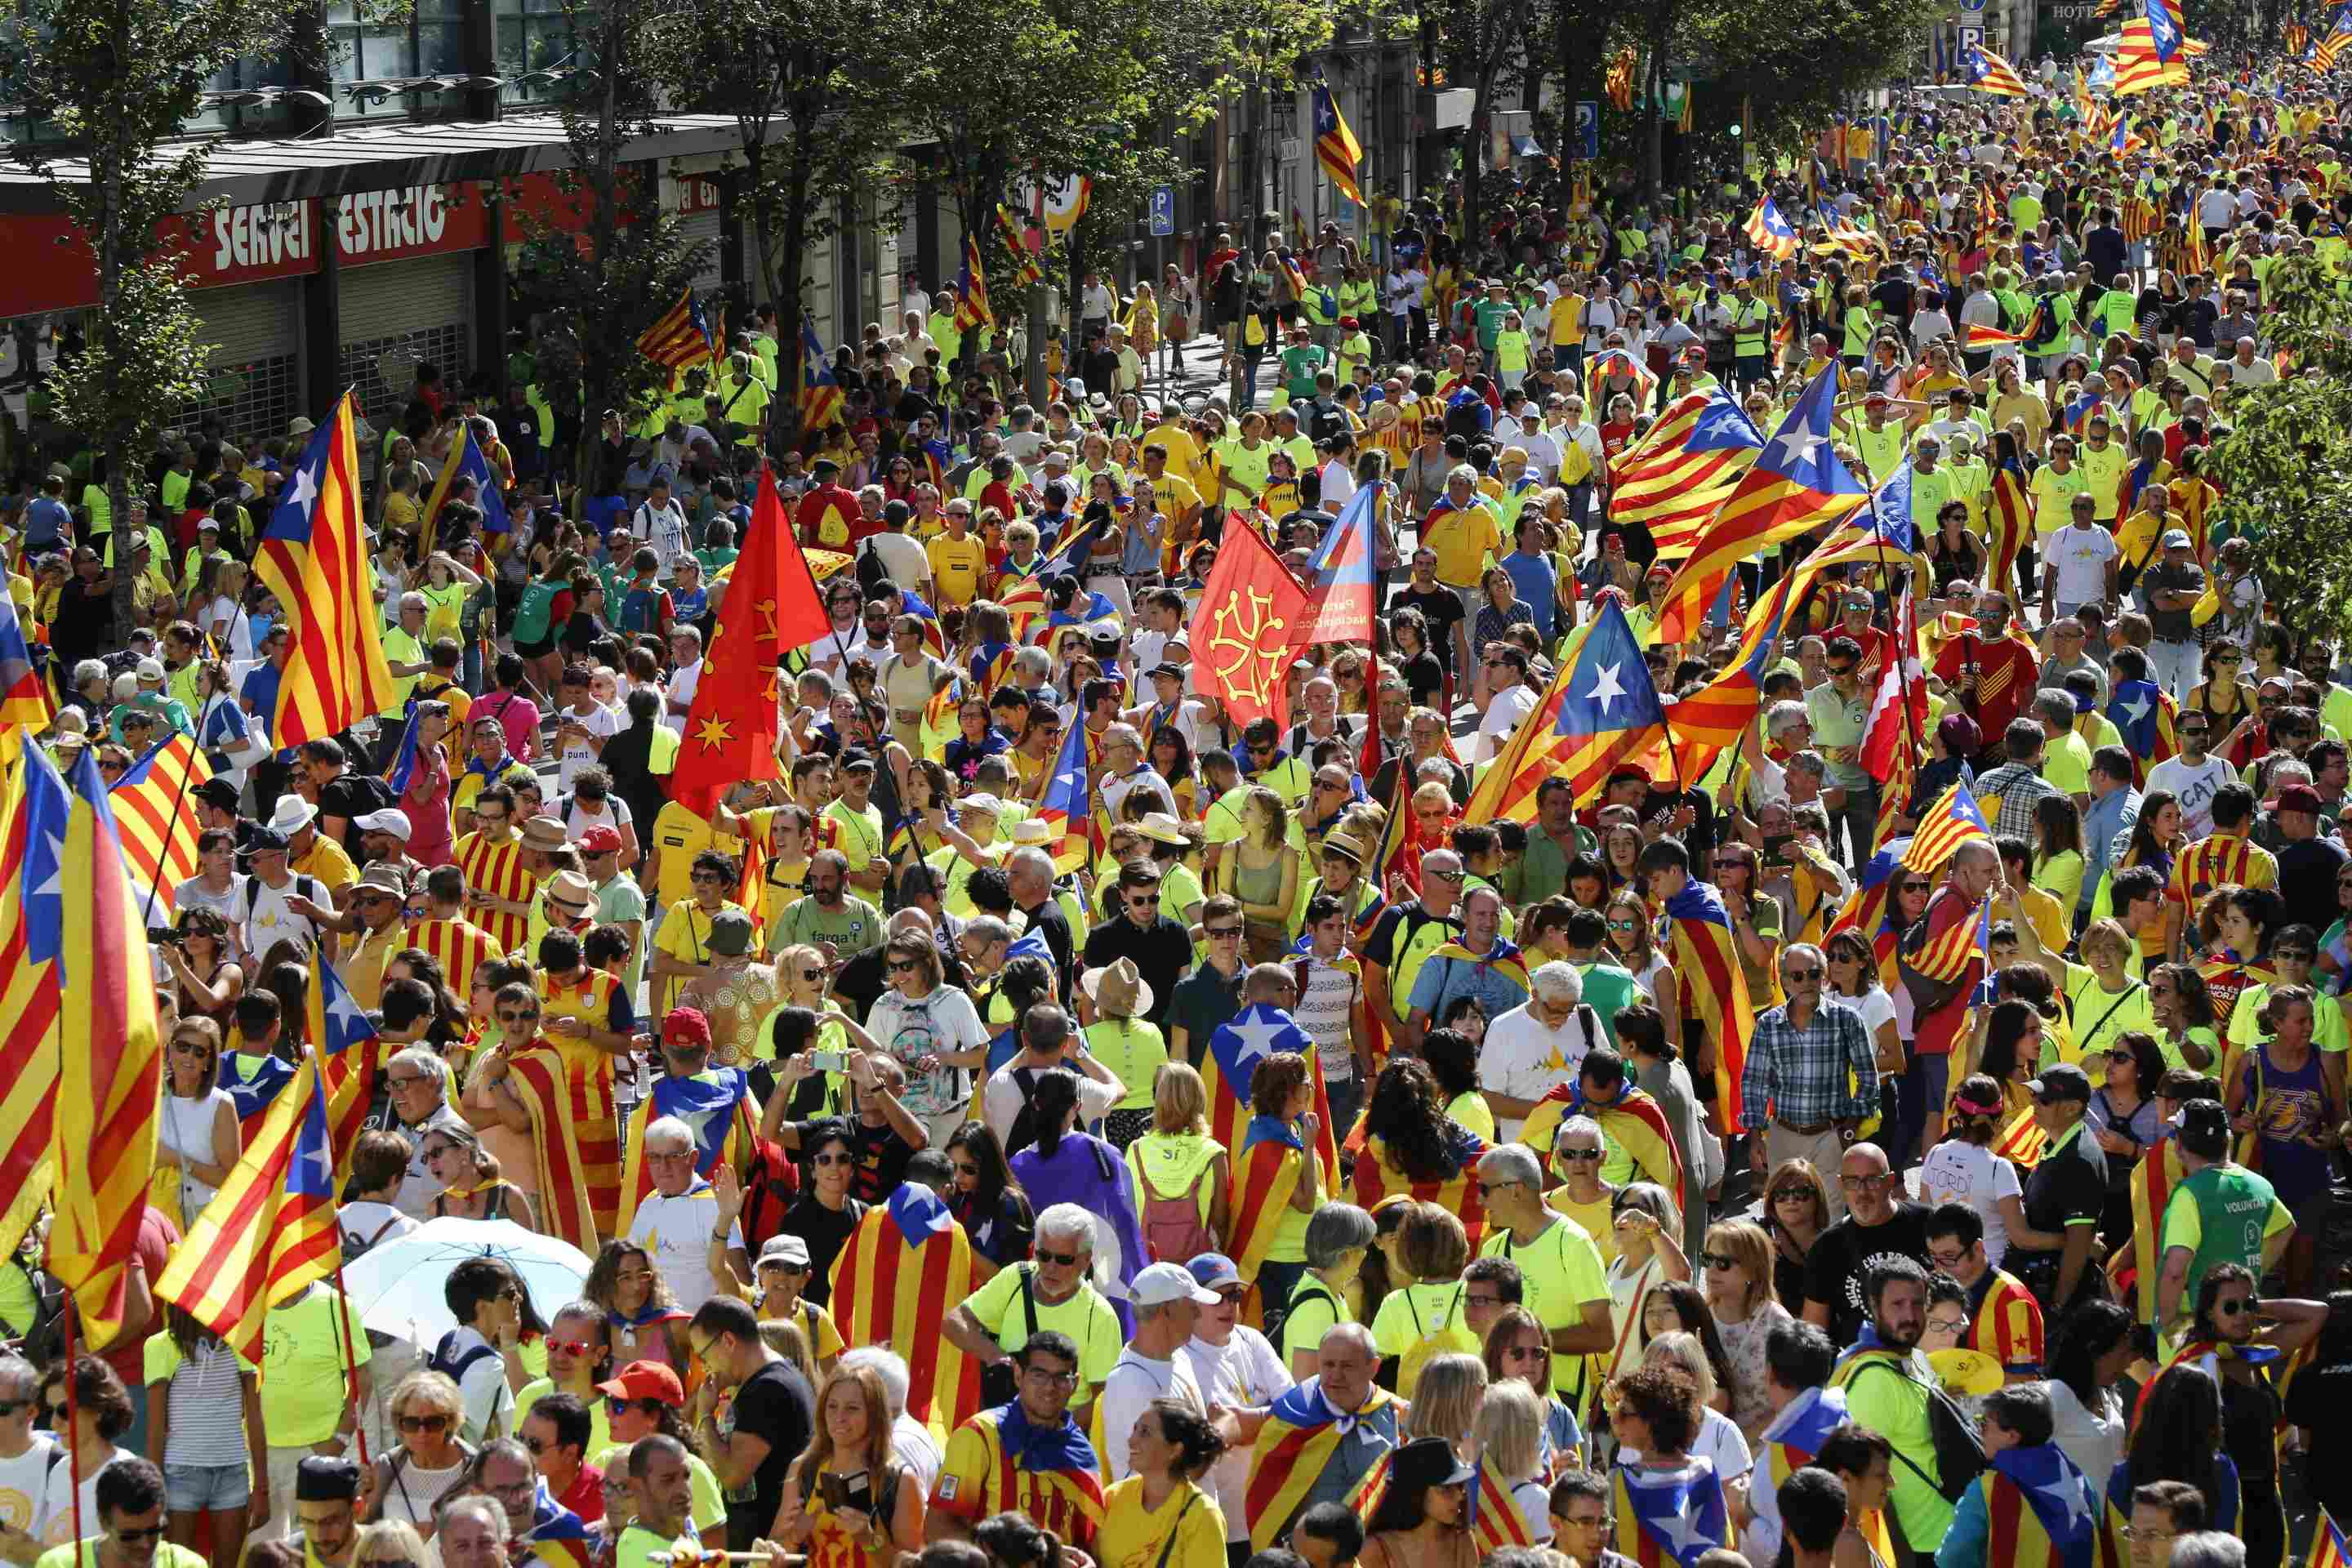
(1086, 1317)
(1562, 1274)
(1463, 539)
(958, 567)
(1187, 1531)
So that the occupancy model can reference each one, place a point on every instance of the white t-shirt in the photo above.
(193, 894)
(580, 817)
(1134, 1383)
(1001, 1101)
(1243, 1371)
(2194, 783)
(677, 1231)
(599, 721)
(682, 683)
(25, 1485)
(2081, 556)
(1718, 1443)
(57, 1499)
(1503, 715)
(267, 917)
(901, 558)
(1960, 1173)
(1524, 1060)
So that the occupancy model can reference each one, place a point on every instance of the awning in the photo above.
(391, 156)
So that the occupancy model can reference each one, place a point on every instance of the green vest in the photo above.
(1748, 329)
(2233, 1209)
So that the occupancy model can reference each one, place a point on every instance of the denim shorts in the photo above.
(199, 1488)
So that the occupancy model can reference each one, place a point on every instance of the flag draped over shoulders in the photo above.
(906, 1265)
(1302, 1431)
(1708, 964)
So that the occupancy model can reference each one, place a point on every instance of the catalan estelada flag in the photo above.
(466, 461)
(2143, 714)
(154, 806)
(1768, 232)
(2141, 64)
(1797, 485)
(348, 1046)
(2134, 1271)
(904, 1269)
(24, 695)
(313, 556)
(820, 394)
(557, 1536)
(1601, 710)
(2327, 1550)
(1063, 807)
(1954, 819)
(1668, 1518)
(680, 337)
(1302, 1431)
(716, 1104)
(2010, 519)
(31, 920)
(269, 1232)
(1677, 474)
(1988, 72)
(1231, 1063)
(110, 1064)
(1634, 1122)
(1268, 1175)
(2041, 1511)
(1706, 962)
(1334, 144)
(1376, 1177)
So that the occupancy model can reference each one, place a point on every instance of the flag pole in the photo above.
(341, 1323)
(179, 798)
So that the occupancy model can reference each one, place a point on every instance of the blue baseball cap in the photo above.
(1213, 1271)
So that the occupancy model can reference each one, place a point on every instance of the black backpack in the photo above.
(44, 1339)
(1960, 1452)
(1328, 421)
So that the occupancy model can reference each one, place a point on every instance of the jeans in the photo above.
(1856, 821)
(1579, 504)
(201, 1489)
(1346, 1097)
(2176, 667)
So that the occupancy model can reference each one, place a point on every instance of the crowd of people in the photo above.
(1344, 1179)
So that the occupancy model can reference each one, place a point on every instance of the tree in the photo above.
(1798, 65)
(116, 79)
(1484, 45)
(635, 261)
(2285, 468)
(807, 85)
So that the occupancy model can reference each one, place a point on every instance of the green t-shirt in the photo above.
(1561, 1273)
(2222, 1214)
(1888, 1395)
(1086, 1317)
(302, 1392)
(85, 1555)
(1300, 366)
(1607, 988)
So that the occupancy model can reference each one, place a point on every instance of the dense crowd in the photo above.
(1327, 1170)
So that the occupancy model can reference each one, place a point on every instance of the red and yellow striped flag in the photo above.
(111, 1067)
(1954, 820)
(269, 1232)
(905, 1267)
(155, 806)
(36, 812)
(313, 556)
(1708, 964)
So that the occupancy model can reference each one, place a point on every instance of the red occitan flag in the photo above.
(1240, 635)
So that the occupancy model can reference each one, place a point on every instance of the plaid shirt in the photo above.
(1810, 1075)
(2021, 787)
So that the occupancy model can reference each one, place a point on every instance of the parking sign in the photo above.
(1587, 129)
(1163, 210)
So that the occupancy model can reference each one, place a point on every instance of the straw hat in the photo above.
(1116, 990)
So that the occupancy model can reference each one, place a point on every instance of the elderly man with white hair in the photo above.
(1056, 1290)
(1788, 730)
(1535, 1047)
(680, 1224)
(910, 1440)
(1341, 1395)
(471, 1531)
(417, 1083)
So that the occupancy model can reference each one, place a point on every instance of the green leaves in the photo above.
(2284, 467)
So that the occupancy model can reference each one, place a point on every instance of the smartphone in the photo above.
(830, 1061)
(850, 1491)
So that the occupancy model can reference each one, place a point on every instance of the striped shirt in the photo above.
(2005, 1322)
(459, 946)
(2221, 859)
(495, 865)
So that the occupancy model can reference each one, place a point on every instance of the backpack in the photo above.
(1328, 421)
(452, 1364)
(1174, 1229)
(771, 1184)
(355, 1246)
(44, 1339)
(1462, 417)
(871, 573)
(534, 615)
(1960, 1452)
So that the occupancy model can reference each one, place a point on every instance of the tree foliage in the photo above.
(2284, 469)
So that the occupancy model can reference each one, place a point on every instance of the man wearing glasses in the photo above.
(1053, 1477)
(680, 1225)
(1562, 1279)
(1804, 1058)
(772, 1415)
(2004, 1320)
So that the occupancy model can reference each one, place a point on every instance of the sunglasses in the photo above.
(505, 1015)
(2234, 1307)
(53, 1413)
(1717, 1260)
(133, 1537)
(1151, 902)
(1803, 976)
(425, 1422)
(834, 1160)
(1793, 1196)
(1220, 932)
(1580, 1155)
(1059, 1259)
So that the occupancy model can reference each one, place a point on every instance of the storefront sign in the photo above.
(51, 267)
(408, 221)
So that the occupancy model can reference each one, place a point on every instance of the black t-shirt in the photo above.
(2307, 869)
(1048, 922)
(1440, 607)
(1842, 1256)
(774, 1402)
(826, 1231)
(1162, 951)
(2069, 1186)
(351, 796)
(2312, 1400)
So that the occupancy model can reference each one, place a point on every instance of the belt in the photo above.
(1804, 1128)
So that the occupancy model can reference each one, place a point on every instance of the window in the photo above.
(539, 36)
(384, 369)
(431, 43)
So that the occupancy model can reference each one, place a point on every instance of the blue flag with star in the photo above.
(46, 806)
(1680, 1511)
(1890, 511)
(1608, 688)
(1257, 1032)
(2163, 30)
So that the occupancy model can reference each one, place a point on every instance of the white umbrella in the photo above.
(397, 1287)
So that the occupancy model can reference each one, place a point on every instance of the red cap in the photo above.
(645, 1380)
(600, 839)
(686, 1027)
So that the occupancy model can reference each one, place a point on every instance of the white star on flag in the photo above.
(1797, 447)
(1607, 687)
(2137, 707)
(306, 488)
(2067, 1491)
(1259, 1037)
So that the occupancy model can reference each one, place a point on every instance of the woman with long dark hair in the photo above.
(2316, 1400)
(1412, 1141)
(2090, 1346)
(985, 1199)
(2176, 1435)
(2124, 1120)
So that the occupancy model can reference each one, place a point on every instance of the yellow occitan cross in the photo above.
(1244, 627)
